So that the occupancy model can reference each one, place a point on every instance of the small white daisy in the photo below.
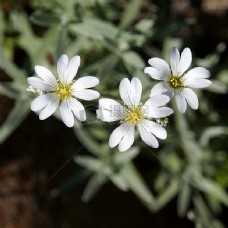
(133, 114)
(63, 91)
(175, 81)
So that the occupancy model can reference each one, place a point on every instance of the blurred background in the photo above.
(53, 176)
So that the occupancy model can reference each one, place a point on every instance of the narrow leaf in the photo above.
(138, 186)
(130, 13)
(167, 195)
(89, 162)
(184, 199)
(119, 181)
(16, 116)
(133, 59)
(10, 69)
(43, 18)
(212, 188)
(94, 184)
(122, 158)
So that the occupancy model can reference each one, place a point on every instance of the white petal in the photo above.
(155, 73)
(107, 116)
(109, 104)
(46, 75)
(155, 129)
(159, 88)
(50, 108)
(41, 101)
(109, 110)
(197, 72)
(180, 101)
(85, 82)
(72, 68)
(117, 135)
(159, 112)
(66, 114)
(196, 78)
(62, 66)
(160, 65)
(136, 86)
(125, 91)
(157, 101)
(198, 83)
(128, 139)
(86, 94)
(191, 98)
(147, 137)
(77, 108)
(130, 92)
(185, 61)
(38, 83)
(174, 60)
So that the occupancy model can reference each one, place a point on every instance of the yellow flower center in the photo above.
(63, 91)
(134, 115)
(175, 82)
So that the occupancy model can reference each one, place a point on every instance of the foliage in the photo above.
(115, 40)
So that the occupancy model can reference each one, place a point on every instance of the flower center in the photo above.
(63, 91)
(134, 115)
(175, 82)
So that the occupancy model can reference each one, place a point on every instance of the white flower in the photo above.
(63, 91)
(175, 81)
(133, 114)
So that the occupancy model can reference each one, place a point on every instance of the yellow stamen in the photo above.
(134, 115)
(175, 82)
(63, 91)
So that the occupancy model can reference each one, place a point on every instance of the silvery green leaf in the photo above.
(46, 46)
(86, 30)
(7, 90)
(223, 76)
(11, 69)
(212, 132)
(94, 184)
(119, 181)
(170, 42)
(89, 162)
(167, 195)
(26, 33)
(14, 119)
(43, 18)
(106, 29)
(184, 198)
(201, 207)
(145, 25)
(99, 133)
(137, 185)
(133, 59)
(108, 65)
(80, 44)
(87, 141)
(210, 187)
(209, 61)
(218, 87)
(122, 158)
(130, 13)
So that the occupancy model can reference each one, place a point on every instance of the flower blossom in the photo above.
(63, 92)
(176, 81)
(133, 114)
